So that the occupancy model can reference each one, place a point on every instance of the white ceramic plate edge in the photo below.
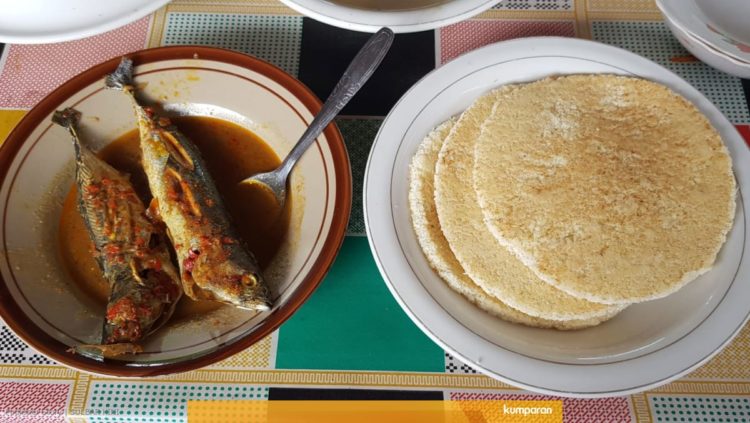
(398, 21)
(75, 34)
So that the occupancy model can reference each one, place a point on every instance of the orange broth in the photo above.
(231, 154)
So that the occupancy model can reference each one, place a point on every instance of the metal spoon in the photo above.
(358, 72)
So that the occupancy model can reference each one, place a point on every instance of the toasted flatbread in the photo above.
(613, 189)
(436, 249)
(490, 265)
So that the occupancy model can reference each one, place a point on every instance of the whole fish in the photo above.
(215, 264)
(130, 249)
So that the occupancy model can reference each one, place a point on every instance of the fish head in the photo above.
(228, 283)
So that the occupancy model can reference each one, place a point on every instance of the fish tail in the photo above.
(122, 78)
(100, 352)
(68, 118)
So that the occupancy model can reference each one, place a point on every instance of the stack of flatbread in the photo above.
(558, 203)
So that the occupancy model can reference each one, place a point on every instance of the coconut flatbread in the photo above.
(486, 262)
(435, 246)
(611, 188)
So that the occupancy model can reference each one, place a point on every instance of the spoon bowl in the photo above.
(359, 71)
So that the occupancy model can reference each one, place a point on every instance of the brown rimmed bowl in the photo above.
(36, 172)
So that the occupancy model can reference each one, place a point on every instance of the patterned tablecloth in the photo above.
(368, 348)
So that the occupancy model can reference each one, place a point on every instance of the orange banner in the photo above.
(490, 411)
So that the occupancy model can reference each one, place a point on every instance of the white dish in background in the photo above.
(721, 24)
(45, 21)
(648, 344)
(371, 15)
(708, 54)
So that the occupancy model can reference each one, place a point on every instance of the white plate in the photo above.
(708, 54)
(648, 344)
(722, 24)
(52, 21)
(400, 16)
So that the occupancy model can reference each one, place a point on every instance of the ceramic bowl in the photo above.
(708, 54)
(36, 172)
(720, 24)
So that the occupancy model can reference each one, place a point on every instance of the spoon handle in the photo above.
(359, 71)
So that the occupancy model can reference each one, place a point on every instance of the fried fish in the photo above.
(215, 264)
(131, 250)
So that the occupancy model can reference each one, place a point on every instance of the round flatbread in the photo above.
(486, 262)
(436, 249)
(611, 188)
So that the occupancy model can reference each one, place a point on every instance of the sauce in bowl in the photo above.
(231, 153)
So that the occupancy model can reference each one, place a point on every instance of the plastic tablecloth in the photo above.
(333, 348)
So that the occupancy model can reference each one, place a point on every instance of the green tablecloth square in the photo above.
(352, 322)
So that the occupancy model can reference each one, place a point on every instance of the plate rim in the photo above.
(372, 20)
(373, 234)
(39, 340)
(698, 28)
(144, 9)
